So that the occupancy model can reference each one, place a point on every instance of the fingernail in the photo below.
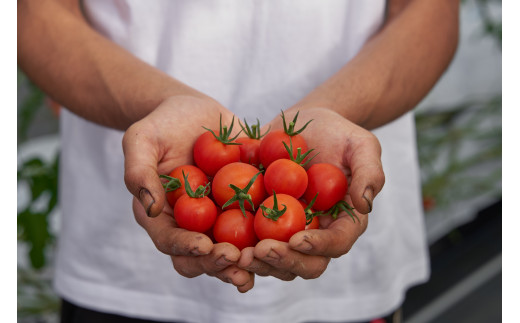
(146, 200)
(368, 195)
(222, 261)
(305, 246)
(273, 255)
(195, 251)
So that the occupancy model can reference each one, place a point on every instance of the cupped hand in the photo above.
(155, 145)
(358, 153)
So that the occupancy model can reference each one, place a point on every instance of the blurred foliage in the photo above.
(460, 147)
(460, 152)
(37, 301)
(38, 178)
(30, 101)
(492, 26)
(33, 220)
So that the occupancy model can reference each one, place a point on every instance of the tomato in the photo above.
(279, 217)
(195, 213)
(196, 178)
(249, 150)
(239, 175)
(233, 227)
(315, 222)
(210, 154)
(329, 182)
(287, 177)
(272, 148)
(250, 145)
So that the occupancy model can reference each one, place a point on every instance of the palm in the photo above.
(357, 152)
(155, 145)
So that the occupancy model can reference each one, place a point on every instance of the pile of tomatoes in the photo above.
(242, 190)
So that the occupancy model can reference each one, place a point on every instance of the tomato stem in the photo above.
(299, 157)
(200, 192)
(343, 206)
(241, 195)
(224, 133)
(309, 214)
(172, 184)
(253, 132)
(275, 213)
(290, 130)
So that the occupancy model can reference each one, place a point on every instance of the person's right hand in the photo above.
(155, 145)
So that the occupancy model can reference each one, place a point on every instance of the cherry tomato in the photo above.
(196, 178)
(239, 175)
(249, 150)
(195, 213)
(315, 222)
(210, 154)
(287, 177)
(233, 227)
(272, 148)
(329, 182)
(279, 225)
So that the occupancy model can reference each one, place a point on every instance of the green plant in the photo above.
(460, 151)
(38, 181)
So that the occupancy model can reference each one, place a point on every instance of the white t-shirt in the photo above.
(254, 57)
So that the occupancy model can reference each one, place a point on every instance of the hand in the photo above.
(155, 145)
(358, 153)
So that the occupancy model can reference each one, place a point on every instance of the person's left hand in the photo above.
(358, 153)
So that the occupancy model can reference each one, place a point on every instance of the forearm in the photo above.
(396, 68)
(87, 73)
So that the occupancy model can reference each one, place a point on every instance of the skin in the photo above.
(389, 76)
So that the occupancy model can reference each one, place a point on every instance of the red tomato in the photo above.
(291, 221)
(210, 154)
(329, 182)
(287, 177)
(238, 174)
(272, 148)
(196, 177)
(195, 214)
(315, 223)
(249, 150)
(233, 227)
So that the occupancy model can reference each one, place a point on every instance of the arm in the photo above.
(388, 77)
(101, 82)
(396, 68)
(57, 48)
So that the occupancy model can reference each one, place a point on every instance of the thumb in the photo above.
(364, 160)
(141, 153)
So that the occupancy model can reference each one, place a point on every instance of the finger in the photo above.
(238, 277)
(221, 257)
(248, 285)
(141, 178)
(363, 157)
(284, 259)
(248, 262)
(333, 241)
(169, 238)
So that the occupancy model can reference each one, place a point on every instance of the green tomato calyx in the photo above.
(253, 132)
(241, 195)
(275, 213)
(225, 133)
(290, 129)
(200, 192)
